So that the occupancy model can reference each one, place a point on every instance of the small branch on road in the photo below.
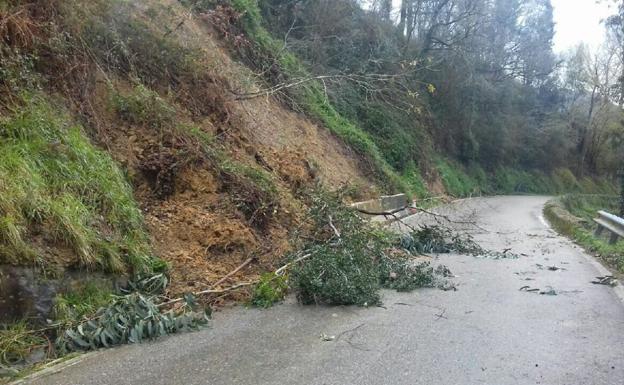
(441, 315)
(348, 340)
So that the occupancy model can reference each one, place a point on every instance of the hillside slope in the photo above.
(217, 180)
(140, 131)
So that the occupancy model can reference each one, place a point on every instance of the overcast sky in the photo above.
(578, 20)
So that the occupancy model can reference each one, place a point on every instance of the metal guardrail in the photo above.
(385, 208)
(611, 222)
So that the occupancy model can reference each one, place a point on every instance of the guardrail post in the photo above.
(614, 238)
(611, 222)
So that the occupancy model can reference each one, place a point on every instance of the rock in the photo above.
(25, 292)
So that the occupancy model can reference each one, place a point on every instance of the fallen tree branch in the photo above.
(384, 213)
(437, 216)
(247, 262)
(286, 266)
(363, 80)
(211, 290)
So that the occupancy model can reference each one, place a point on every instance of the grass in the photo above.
(82, 302)
(455, 180)
(17, 341)
(57, 187)
(413, 178)
(572, 216)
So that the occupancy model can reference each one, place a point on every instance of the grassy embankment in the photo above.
(572, 216)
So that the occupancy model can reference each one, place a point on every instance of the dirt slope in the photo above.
(199, 228)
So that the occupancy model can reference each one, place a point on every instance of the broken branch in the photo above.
(239, 268)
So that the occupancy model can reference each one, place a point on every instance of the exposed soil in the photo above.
(190, 209)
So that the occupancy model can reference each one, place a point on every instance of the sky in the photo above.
(578, 20)
(575, 21)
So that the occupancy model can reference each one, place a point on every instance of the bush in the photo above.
(144, 107)
(351, 260)
(270, 290)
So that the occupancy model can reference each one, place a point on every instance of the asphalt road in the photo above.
(487, 332)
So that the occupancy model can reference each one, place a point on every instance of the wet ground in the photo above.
(487, 332)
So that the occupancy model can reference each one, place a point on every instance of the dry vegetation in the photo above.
(217, 181)
(123, 151)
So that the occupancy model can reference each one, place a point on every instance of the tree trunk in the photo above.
(385, 10)
(403, 17)
(622, 191)
(585, 137)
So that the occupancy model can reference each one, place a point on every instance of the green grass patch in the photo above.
(57, 187)
(17, 341)
(456, 181)
(82, 302)
(572, 216)
(412, 176)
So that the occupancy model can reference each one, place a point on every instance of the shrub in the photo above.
(145, 107)
(351, 260)
(270, 290)
(130, 319)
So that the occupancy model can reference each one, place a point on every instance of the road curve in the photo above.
(487, 332)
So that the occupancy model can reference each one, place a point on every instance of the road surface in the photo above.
(486, 332)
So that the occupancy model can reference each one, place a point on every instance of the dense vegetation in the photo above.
(475, 81)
